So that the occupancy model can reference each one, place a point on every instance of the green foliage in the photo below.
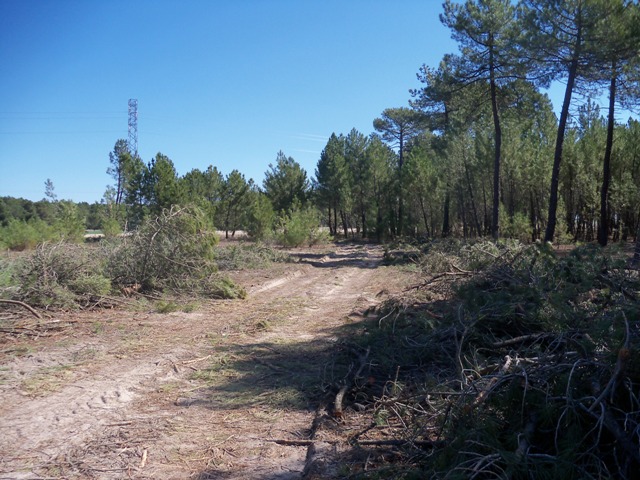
(235, 201)
(173, 252)
(24, 235)
(516, 226)
(301, 226)
(162, 189)
(66, 223)
(286, 184)
(166, 307)
(69, 224)
(261, 217)
(249, 256)
(110, 227)
(61, 275)
(178, 242)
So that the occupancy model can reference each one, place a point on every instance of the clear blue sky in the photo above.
(227, 83)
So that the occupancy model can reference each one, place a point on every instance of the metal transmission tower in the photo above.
(133, 127)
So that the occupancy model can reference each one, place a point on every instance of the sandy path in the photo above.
(187, 395)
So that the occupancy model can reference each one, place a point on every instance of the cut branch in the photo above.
(22, 304)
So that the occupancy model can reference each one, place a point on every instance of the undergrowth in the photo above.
(173, 254)
(249, 256)
(508, 362)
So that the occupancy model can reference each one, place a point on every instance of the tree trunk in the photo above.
(445, 220)
(424, 216)
(344, 224)
(365, 234)
(606, 169)
(472, 200)
(495, 227)
(557, 157)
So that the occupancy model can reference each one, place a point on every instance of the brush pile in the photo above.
(509, 361)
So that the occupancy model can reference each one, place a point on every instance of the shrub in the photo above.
(261, 218)
(239, 257)
(175, 251)
(69, 224)
(25, 235)
(110, 227)
(301, 226)
(61, 275)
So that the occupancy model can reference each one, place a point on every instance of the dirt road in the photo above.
(134, 394)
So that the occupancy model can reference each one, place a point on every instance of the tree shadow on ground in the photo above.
(306, 374)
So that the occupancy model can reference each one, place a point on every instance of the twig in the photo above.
(523, 438)
(484, 393)
(617, 431)
(623, 356)
(22, 304)
(195, 360)
(514, 340)
(22, 331)
(143, 462)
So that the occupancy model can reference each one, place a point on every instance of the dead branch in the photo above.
(438, 277)
(337, 404)
(399, 443)
(20, 331)
(22, 304)
(525, 436)
(623, 356)
(143, 462)
(482, 396)
(373, 443)
(611, 424)
(523, 338)
(195, 360)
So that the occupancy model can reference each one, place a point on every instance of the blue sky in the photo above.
(218, 82)
(223, 83)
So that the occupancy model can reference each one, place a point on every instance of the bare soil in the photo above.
(130, 393)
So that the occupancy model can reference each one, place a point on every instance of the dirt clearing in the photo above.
(205, 394)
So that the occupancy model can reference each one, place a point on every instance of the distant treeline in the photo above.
(479, 152)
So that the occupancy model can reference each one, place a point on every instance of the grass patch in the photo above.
(249, 256)
(46, 380)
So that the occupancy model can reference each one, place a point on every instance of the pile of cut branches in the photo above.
(172, 254)
(174, 251)
(530, 368)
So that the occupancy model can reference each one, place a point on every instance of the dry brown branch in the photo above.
(143, 462)
(20, 331)
(195, 360)
(297, 443)
(610, 422)
(438, 277)
(514, 340)
(399, 443)
(337, 405)
(460, 270)
(22, 304)
(523, 438)
(623, 356)
(482, 396)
